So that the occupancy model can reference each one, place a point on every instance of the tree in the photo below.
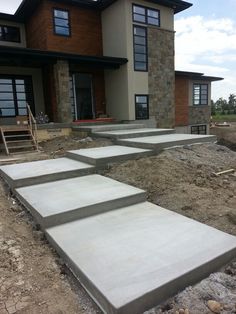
(232, 103)
(222, 105)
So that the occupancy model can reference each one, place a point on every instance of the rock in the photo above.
(214, 306)
(232, 216)
(181, 311)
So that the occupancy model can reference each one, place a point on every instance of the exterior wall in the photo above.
(181, 101)
(161, 76)
(36, 75)
(86, 30)
(21, 26)
(187, 114)
(123, 84)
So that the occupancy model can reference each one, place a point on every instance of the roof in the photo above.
(198, 76)
(27, 7)
(29, 55)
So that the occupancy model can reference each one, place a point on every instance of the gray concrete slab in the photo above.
(58, 202)
(118, 134)
(36, 172)
(110, 127)
(101, 156)
(133, 258)
(164, 141)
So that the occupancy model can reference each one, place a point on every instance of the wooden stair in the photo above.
(18, 140)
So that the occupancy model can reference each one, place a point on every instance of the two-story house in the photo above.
(79, 60)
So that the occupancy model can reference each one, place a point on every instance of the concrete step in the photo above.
(132, 133)
(109, 127)
(43, 171)
(133, 258)
(101, 156)
(62, 201)
(158, 143)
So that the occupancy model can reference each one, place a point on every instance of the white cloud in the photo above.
(208, 46)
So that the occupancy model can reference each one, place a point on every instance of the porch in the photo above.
(64, 87)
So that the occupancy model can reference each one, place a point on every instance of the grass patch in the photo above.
(224, 118)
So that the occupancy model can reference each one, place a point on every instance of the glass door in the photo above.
(81, 85)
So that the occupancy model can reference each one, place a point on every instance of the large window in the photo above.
(199, 129)
(200, 94)
(146, 15)
(61, 22)
(15, 93)
(140, 49)
(141, 107)
(9, 33)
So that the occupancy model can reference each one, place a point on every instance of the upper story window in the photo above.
(140, 49)
(61, 22)
(146, 15)
(9, 33)
(200, 94)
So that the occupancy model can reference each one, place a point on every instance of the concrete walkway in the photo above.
(128, 254)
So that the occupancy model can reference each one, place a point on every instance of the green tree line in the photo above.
(223, 106)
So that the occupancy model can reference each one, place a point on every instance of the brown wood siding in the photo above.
(86, 30)
(181, 101)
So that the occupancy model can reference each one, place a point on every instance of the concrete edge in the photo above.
(102, 134)
(46, 178)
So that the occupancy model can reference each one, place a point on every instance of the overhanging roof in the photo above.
(27, 7)
(12, 53)
(198, 76)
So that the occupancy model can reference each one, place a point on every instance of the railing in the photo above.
(33, 126)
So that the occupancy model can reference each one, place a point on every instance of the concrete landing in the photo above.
(101, 156)
(118, 134)
(42, 171)
(165, 141)
(66, 200)
(131, 259)
(109, 127)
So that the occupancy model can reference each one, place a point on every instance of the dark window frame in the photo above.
(200, 94)
(146, 49)
(198, 131)
(136, 103)
(146, 15)
(54, 24)
(28, 82)
(11, 27)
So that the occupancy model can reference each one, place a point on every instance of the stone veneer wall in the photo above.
(61, 76)
(161, 78)
(199, 115)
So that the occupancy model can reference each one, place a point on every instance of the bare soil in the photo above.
(226, 135)
(33, 279)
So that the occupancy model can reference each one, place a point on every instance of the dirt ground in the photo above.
(226, 135)
(33, 278)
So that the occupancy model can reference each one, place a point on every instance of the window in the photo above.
(200, 94)
(15, 93)
(146, 15)
(61, 22)
(141, 107)
(140, 49)
(199, 129)
(9, 33)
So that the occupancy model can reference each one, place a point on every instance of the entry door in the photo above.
(15, 93)
(83, 96)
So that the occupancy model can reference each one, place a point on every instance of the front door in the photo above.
(82, 96)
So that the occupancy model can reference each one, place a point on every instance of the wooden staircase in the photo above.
(21, 138)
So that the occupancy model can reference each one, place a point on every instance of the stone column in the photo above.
(161, 77)
(62, 89)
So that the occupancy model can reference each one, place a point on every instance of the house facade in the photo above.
(81, 60)
(193, 102)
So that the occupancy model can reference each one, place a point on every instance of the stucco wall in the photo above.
(123, 84)
(21, 26)
(36, 75)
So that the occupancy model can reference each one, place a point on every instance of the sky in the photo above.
(205, 41)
